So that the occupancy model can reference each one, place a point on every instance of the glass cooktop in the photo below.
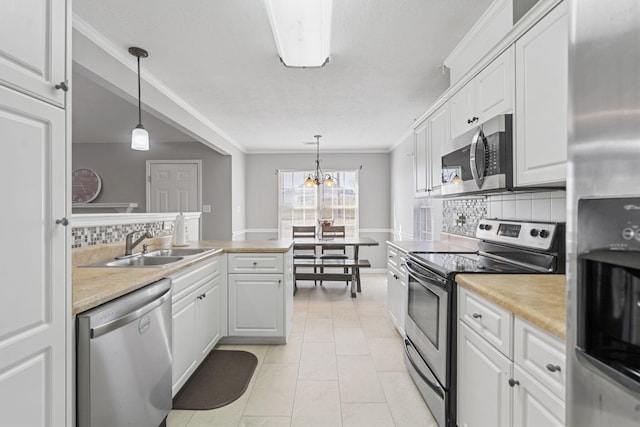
(448, 264)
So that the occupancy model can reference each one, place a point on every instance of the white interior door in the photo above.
(174, 185)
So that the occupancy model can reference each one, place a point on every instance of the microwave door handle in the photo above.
(478, 175)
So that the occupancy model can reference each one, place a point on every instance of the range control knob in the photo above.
(628, 233)
(534, 232)
(544, 234)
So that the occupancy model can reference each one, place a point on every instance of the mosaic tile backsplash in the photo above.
(461, 216)
(88, 236)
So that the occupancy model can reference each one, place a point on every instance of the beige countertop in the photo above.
(537, 298)
(93, 286)
(448, 243)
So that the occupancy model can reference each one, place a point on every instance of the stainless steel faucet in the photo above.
(130, 244)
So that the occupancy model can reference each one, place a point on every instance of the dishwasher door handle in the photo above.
(126, 318)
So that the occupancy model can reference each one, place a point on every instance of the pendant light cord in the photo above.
(139, 99)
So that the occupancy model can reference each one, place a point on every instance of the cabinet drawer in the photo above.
(541, 354)
(255, 263)
(185, 281)
(492, 322)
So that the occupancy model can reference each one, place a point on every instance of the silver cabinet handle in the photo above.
(553, 368)
(62, 86)
(476, 315)
(513, 383)
(62, 221)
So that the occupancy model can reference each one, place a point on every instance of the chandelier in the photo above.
(319, 178)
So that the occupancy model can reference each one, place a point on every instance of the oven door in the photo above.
(427, 320)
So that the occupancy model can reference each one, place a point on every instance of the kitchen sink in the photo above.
(137, 261)
(177, 252)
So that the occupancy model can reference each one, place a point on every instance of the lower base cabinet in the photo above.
(199, 315)
(521, 388)
(484, 394)
(397, 293)
(260, 297)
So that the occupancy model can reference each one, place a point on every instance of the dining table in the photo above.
(333, 242)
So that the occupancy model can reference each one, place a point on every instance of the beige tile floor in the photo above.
(342, 367)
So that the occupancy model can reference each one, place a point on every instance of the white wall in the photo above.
(402, 189)
(262, 193)
(123, 177)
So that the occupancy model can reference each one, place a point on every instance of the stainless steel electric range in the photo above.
(504, 247)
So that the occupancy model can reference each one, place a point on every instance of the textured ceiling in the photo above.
(220, 57)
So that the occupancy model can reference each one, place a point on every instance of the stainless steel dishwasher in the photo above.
(124, 360)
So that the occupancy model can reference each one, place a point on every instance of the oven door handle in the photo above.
(431, 382)
(478, 165)
(432, 278)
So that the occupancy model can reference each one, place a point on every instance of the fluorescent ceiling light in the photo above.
(302, 30)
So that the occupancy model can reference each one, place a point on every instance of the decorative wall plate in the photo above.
(85, 185)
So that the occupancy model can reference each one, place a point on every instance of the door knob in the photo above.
(63, 221)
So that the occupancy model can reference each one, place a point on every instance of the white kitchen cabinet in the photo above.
(32, 47)
(430, 137)
(198, 316)
(35, 299)
(484, 395)
(541, 101)
(487, 95)
(439, 137)
(260, 297)
(421, 159)
(532, 381)
(397, 292)
(533, 405)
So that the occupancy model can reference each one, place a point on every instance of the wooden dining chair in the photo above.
(304, 251)
(334, 252)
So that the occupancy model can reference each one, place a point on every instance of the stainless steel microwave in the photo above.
(480, 160)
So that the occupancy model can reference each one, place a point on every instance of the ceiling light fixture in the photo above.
(139, 136)
(319, 178)
(302, 30)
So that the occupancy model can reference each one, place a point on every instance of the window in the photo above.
(301, 205)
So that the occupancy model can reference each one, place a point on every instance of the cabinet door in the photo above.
(394, 297)
(208, 321)
(256, 305)
(32, 47)
(421, 159)
(463, 110)
(484, 395)
(184, 340)
(533, 404)
(35, 298)
(495, 87)
(439, 136)
(541, 100)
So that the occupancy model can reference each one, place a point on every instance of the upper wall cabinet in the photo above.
(488, 94)
(32, 52)
(541, 100)
(430, 136)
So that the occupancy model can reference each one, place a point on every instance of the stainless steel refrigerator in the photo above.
(603, 221)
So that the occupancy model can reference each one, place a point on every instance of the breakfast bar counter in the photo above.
(93, 286)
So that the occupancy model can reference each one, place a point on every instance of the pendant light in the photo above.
(319, 178)
(139, 136)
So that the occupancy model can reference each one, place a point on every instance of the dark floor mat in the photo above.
(221, 378)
